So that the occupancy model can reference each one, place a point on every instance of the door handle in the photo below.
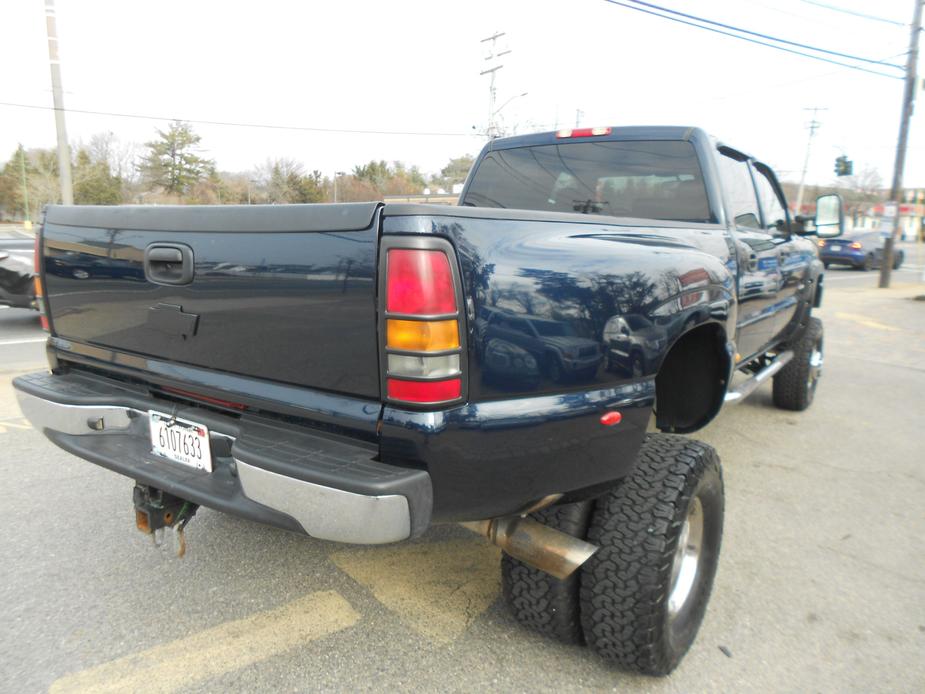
(169, 263)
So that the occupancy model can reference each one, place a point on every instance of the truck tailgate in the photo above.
(283, 293)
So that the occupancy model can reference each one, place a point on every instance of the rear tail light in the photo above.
(39, 288)
(821, 243)
(856, 245)
(583, 132)
(422, 334)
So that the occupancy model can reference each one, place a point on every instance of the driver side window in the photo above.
(740, 191)
(775, 214)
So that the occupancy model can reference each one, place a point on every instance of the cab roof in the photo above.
(633, 132)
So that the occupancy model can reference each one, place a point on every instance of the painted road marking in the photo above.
(14, 423)
(865, 321)
(24, 341)
(222, 649)
(437, 589)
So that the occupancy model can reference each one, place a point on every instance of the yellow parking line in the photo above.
(867, 322)
(438, 589)
(218, 650)
(14, 423)
(18, 423)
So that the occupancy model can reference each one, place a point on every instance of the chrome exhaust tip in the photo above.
(544, 548)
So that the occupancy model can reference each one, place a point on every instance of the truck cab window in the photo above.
(740, 191)
(659, 179)
(775, 213)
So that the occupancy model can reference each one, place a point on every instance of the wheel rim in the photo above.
(816, 359)
(686, 563)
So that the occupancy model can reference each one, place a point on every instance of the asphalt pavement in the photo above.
(821, 585)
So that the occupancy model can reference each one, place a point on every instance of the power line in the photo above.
(760, 43)
(856, 14)
(766, 36)
(234, 124)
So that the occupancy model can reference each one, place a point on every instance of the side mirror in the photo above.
(830, 216)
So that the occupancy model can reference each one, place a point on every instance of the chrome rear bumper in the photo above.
(287, 476)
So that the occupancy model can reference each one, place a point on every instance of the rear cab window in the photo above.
(657, 179)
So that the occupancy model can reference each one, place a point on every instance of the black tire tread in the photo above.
(625, 585)
(542, 602)
(789, 389)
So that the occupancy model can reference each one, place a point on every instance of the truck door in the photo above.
(794, 256)
(757, 255)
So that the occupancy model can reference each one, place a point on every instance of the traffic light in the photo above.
(843, 166)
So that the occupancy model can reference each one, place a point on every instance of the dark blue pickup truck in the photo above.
(358, 372)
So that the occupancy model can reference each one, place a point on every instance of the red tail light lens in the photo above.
(424, 391)
(39, 289)
(856, 246)
(419, 282)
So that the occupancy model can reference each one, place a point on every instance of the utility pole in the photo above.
(25, 188)
(912, 57)
(492, 40)
(64, 152)
(813, 127)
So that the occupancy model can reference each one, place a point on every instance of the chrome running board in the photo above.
(743, 390)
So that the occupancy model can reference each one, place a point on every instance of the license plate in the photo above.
(180, 440)
(835, 248)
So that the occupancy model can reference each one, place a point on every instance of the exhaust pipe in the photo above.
(544, 548)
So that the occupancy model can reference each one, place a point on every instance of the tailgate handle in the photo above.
(169, 263)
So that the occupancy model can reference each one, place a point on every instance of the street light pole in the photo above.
(912, 58)
(336, 174)
(64, 152)
(492, 72)
(813, 127)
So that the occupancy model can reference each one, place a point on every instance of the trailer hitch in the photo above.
(157, 511)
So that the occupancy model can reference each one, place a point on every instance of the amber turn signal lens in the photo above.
(422, 336)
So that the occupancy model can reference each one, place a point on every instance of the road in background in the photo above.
(821, 585)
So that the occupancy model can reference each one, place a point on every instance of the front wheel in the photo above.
(795, 384)
(645, 591)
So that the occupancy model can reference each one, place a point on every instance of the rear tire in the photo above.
(868, 263)
(542, 602)
(645, 591)
(795, 384)
(898, 257)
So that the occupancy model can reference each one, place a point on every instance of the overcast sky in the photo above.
(413, 66)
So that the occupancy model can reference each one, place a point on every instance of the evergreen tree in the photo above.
(172, 162)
